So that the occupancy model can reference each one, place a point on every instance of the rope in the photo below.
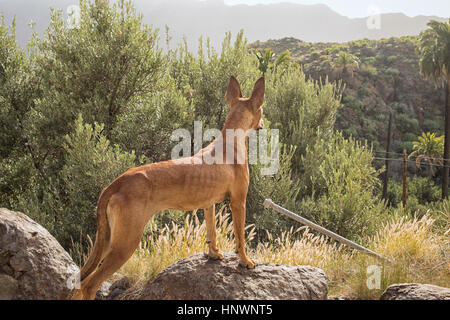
(409, 161)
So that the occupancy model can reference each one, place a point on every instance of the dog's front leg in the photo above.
(211, 233)
(238, 214)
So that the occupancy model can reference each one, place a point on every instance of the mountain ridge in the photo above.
(213, 18)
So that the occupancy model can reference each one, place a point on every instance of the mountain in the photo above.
(212, 18)
(387, 79)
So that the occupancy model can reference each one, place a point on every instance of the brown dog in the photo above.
(127, 204)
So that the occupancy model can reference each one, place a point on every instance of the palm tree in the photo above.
(265, 59)
(429, 148)
(434, 52)
(282, 61)
(346, 62)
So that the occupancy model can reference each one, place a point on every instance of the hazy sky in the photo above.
(360, 8)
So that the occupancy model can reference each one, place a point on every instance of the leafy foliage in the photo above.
(99, 70)
(338, 187)
(280, 188)
(203, 79)
(434, 51)
(302, 110)
(84, 104)
(346, 63)
(265, 60)
(421, 193)
(429, 148)
(382, 76)
(91, 163)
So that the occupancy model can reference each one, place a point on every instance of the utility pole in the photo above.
(388, 150)
(446, 171)
(404, 180)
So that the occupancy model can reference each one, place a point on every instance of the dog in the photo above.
(126, 205)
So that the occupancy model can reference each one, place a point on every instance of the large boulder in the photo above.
(200, 278)
(8, 287)
(33, 265)
(415, 291)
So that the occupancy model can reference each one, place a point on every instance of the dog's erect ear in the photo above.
(258, 92)
(233, 91)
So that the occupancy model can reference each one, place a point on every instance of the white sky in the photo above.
(360, 8)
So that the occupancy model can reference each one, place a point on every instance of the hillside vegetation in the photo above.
(386, 79)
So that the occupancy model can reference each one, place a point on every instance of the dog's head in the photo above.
(249, 107)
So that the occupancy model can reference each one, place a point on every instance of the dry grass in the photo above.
(419, 253)
(416, 250)
(416, 253)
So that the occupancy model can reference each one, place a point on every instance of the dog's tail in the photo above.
(102, 236)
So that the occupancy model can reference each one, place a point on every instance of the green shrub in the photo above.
(280, 187)
(421, 191)
(91, 163)
(392, 72)
(363, 92)
(67, 206)
(17, 95)
(391, 60)
(301, 109)
(339, 186)
(315, 55)
(204, 77)
(435, 124)
(147, 125)
(405, 123)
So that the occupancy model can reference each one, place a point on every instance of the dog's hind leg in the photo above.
(126, 234)
(211, 233)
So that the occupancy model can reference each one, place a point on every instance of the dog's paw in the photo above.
(248, 263)
(215, 255)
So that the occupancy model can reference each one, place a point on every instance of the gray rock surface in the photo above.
(415, 291)
(29, 255)
(113, 289)
(200, 278)
(118, 288)
(8, 287)
(104, 291)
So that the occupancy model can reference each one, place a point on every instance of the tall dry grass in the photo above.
(417, 250)
(160, 248)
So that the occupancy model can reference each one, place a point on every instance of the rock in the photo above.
(415, 291)
(31, 256)
(200, 278)
(338, 297)
(103, 292)
(8, 287)
(118, 287)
